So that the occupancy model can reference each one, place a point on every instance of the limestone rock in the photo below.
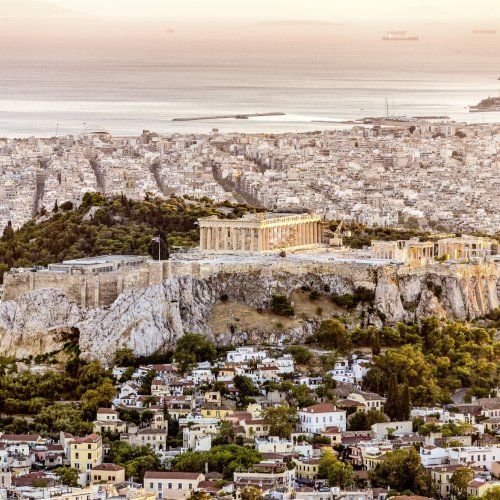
(152, 319)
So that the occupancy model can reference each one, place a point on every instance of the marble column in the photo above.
(217, 238)
(253, 239)
(209, 238)
(234, 238)
(260, 241)
(202, 238)
(311, 233)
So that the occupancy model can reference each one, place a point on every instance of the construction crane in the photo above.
(333, 238)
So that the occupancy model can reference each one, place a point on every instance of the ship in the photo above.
(489, 104)
(484, 31)
(399, 36)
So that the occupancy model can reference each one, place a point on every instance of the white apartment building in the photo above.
(244, 355)
(316, 418)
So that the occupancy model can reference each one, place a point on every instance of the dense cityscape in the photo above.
(441, 177)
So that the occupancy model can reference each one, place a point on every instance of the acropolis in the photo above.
(260, 232)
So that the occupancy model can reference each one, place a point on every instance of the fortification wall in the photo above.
(92, 291)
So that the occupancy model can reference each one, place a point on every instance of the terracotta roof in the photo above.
(321, 408)
(20, 437)
(172, 475)
(108, 467)
(33, 478)
(475, 484)
(91, 438)
(108, 411)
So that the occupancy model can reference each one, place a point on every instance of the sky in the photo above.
(263, 10)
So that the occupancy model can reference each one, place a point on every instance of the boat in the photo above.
(489, 104)
(484, 31)
(399, 36)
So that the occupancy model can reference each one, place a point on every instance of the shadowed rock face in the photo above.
(152, 319)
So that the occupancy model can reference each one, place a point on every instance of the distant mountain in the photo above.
(28, 9)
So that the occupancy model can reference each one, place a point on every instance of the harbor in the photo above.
(240, 116)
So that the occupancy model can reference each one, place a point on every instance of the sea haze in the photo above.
(127, 78)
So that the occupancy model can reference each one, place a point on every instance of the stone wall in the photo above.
(93, 291)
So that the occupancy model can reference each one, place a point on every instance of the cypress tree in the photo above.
(376, 343)
(404, 410)
(392, 404)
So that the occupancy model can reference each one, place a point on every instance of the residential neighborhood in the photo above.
(256, 401)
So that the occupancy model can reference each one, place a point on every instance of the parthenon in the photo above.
(260, 232)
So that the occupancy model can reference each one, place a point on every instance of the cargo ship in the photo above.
(399, 36)
(489, 104)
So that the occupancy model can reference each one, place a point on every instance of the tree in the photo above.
(245, 387)
(136, 459)
(376, 343)
(337, 473)
(146, 382)
(251, 493)
(226, 434)
(281, 305)
(68, 476)
(224, 459)
(492, 494)
(124, 357)
(301, 355)
(193, 348)
(97, 398)
(404, 405)
(283, 420)
(403, 471)
(391, 407)
(363, 421)
(8, 232)
(332, 334)
(459, 481)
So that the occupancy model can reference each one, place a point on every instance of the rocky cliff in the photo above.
(151, 319)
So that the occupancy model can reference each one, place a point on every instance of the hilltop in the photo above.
(106, 226)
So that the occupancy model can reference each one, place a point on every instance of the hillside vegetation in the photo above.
(106, 226)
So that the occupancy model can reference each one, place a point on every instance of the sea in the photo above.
(125, 81)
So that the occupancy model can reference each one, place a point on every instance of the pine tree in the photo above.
(56, 208)
(8, 232)
(392, 404)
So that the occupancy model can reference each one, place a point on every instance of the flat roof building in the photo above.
(100, 264)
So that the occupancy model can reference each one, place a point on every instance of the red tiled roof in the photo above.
(108, 411)
(320, 408)
(91, 438)
(20, 437)
(108, 467)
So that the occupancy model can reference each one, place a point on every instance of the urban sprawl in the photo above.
(437, 176)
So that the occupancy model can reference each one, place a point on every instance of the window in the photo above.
(77, 456)
(159, 486)
(169, 486)
(90, 454)
(89, 446)
(180, 486)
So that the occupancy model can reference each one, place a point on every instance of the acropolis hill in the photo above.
(111, 302)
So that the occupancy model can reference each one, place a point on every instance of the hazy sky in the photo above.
(270, 10)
